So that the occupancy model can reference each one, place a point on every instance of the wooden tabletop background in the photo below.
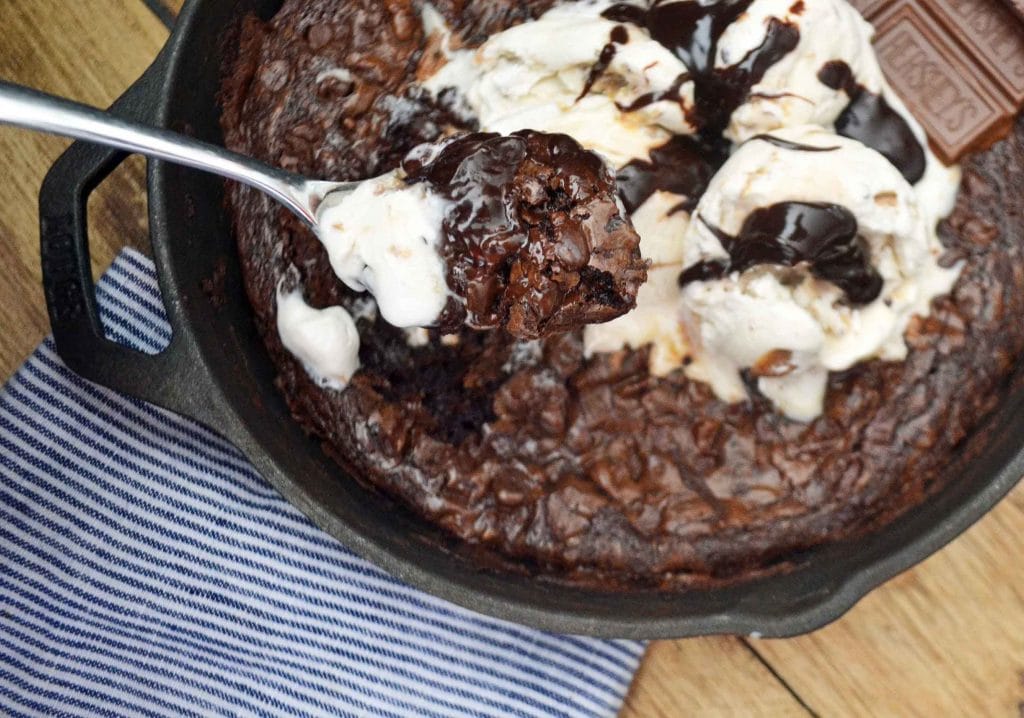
(946, 638)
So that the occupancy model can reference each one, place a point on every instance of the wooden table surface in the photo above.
(946, 638)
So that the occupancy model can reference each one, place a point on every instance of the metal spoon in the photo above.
(31, 109)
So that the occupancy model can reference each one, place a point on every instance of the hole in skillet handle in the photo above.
(118, 215)
(174, 378)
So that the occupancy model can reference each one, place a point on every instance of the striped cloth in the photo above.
(146, 569)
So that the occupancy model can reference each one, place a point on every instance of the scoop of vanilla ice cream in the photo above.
(385, 237)
(324, 340)
(790, 92)
(785, 317)
(531, 76)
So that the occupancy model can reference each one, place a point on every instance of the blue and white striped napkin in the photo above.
(146, 569)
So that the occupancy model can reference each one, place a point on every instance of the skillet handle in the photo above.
(173, 379)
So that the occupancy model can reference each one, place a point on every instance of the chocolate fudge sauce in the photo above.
(683, 165)
(789, 233)
(871, 120)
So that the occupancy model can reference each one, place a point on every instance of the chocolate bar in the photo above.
(957, 64)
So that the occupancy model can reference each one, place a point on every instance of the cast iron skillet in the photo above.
(216, 370)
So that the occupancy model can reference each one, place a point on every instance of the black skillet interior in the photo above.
(217, 371)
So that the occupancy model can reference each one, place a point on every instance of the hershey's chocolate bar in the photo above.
(957, 64)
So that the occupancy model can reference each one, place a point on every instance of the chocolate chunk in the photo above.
(959, 67)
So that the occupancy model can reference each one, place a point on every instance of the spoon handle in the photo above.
(35, 110)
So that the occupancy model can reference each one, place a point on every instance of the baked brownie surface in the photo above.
(592, 468)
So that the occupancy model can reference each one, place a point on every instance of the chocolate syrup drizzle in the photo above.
(619, 36)
(683, 165)
(821, 235)
(788, 145)
(871, 120)
(671, 93)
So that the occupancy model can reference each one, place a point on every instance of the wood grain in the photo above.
(90, 52)
(944, 639)
(707, 677)
(173, 5)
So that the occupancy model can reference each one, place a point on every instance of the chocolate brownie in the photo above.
(536, 241)
(592, 469)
